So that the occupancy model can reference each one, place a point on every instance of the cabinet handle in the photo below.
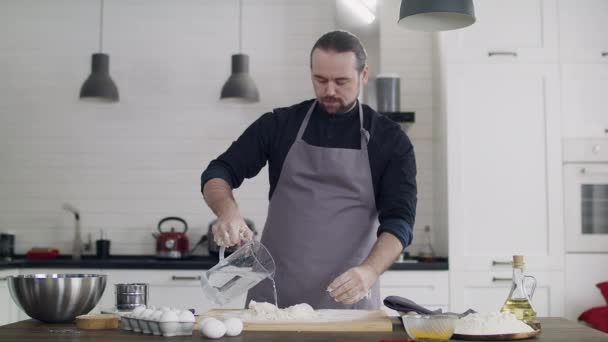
(502, 263)
(3, 278)
(502, 53)
(185, 278)
(584, 171)
(495, 279)
(604, 54)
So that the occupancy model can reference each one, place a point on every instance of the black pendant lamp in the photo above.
(240, 87)
(436, 15)
(99, 85)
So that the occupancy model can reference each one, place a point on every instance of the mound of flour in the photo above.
(269, 312)
(492, 323)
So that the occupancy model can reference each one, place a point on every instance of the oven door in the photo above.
(586, 207)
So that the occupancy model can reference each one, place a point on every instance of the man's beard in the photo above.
(337, 105)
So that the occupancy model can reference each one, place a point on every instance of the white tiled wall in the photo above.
(409, 54)
(129, 164)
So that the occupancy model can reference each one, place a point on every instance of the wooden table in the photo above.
(553, 329)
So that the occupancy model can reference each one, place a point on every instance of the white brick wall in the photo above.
(127, 165)
(409, 54)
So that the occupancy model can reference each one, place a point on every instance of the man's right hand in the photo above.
(230, 230)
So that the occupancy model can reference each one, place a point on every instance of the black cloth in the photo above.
(391, 156)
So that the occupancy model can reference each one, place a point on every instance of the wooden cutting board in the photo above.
(330, 321)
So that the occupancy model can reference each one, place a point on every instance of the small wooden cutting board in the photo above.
(329, 321)
(97, 322)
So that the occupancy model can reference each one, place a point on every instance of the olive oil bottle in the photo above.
(518, 302)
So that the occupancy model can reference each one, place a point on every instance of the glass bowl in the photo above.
(429, 327)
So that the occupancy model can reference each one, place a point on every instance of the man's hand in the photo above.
(230, 230)
(353, 285)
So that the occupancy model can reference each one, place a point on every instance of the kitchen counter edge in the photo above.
(194, 263)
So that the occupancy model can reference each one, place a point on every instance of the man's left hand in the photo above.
(353, 285)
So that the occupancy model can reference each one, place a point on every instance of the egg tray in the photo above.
(146, 326)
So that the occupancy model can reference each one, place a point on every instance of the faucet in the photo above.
(77, 243)
(88, 246)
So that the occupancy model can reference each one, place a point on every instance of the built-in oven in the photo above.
(586, 195)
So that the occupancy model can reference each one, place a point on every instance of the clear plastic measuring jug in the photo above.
(237, 273)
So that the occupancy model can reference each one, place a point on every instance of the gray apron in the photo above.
(321, 222)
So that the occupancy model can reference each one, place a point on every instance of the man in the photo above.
(335, 166)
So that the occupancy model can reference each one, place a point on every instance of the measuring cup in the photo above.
(237, 273)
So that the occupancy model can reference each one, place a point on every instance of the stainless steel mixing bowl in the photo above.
(56, 298)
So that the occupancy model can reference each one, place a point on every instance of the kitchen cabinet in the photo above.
(503, 148)
(171, 288)
(500, 124)
(583, 271)
(9, 312)
(583, 41)
(582, 31)
(514, 31)
(487, 291)
(181, 289)
(584, 99)
(426, 288)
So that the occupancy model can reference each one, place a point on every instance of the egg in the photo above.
(156, 315)
(169, 316)
(138, 310)
(234, 326)
(213, 329)
(146, 314)
(186, 316)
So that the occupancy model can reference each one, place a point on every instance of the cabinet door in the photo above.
(426, 288)
(504, 166)
(583, 31)
(514, 31)
(584, 100)
(175, 289)
(487, 291)
(9, 312)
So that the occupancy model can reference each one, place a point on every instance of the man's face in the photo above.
(336, 80)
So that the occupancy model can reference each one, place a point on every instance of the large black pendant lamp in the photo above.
(240, 87)
(99, 85)
(436, 15)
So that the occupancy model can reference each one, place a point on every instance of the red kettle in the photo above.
(172, 244)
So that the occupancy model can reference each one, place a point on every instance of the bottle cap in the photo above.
(518, 260)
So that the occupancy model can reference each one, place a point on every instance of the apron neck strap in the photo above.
(305, 122)
(309, 113)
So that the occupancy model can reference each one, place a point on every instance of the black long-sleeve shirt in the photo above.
(391, 156)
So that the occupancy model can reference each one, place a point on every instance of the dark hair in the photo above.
(342, 41)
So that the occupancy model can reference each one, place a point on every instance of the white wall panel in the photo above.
(129, 164)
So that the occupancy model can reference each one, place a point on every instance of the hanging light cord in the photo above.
(101, 26)
(240, 26)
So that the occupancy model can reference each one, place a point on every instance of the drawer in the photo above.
(171, 288)
(426, 288)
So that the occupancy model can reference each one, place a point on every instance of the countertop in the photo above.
(192, 263)
(553, 329)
